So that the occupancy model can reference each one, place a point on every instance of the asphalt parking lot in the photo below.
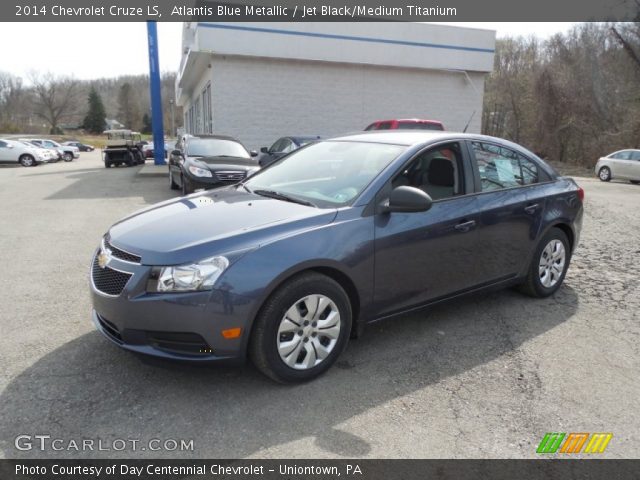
(483, 377)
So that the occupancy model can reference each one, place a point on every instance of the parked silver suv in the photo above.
(12, 151)
(623, 165)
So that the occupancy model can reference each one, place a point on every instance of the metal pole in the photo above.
(173, 118)
(156, 95)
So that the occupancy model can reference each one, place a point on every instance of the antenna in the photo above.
(469, 122)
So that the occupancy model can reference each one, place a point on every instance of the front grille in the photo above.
(231, 176)
(110, 329)
(189, 344)
(121, 254)
(108, 280)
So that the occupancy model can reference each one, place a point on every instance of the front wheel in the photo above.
(604, 174)
(27, 161)
(67, 157)
(635, 182)
(302, 329)
(172, 184)
(549, 265)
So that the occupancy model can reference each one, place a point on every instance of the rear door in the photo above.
(512, 192)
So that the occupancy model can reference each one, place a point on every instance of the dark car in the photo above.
(286, 265)
(81, 146)
(209, 161)
(282, 147)
(406, 124)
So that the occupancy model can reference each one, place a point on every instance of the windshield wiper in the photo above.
(282, 196)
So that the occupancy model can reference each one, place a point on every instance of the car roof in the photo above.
(213, 136)
(414, 120)
(416, 137)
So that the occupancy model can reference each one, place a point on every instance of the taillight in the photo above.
(581, 194)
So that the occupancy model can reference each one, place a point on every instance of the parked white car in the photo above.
(50, 155)
(623, 165)
(68, 152)
(12, 151)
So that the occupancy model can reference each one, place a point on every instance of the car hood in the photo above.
(216, 163)
(214, 222)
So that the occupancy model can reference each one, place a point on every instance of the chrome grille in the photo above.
(121, 254)
(107, 280)
(231, 176)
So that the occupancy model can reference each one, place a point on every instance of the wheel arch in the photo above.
(326, 269)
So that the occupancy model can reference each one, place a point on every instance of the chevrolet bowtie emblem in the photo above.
(103, 258)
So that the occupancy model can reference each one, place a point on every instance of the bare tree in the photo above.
(55, 98)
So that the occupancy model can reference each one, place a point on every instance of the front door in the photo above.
(422, 256)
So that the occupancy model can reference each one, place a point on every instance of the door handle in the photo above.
(531, 209)
(465, 226)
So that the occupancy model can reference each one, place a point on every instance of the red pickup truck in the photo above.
(406, 124)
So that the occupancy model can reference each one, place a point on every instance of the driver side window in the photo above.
(435, 171)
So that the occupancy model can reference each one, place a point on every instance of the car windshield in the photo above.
(215, 147)
(327, 174)
(419, 126)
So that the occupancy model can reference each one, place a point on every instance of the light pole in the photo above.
(173, 118)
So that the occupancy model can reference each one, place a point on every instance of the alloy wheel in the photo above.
(308, 332)
(551, 265)
(604, 174)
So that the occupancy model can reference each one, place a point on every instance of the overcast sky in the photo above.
(94, 50)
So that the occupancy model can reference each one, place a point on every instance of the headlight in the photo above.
(200, 172)
(189, 278)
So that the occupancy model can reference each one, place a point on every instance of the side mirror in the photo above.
(407, 199)
(264, 150)
(253, 153)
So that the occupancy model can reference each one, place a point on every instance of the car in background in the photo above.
(54, 154)
(49, 155)
(209, 161)
(283, 146)
(286, 266)
(623, 165)
(68, 152)
(83, 147)
(406, 124)
(147, 149)
(15, 151)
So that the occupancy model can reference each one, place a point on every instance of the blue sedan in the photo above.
(287, 265)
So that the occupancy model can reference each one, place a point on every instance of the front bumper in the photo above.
(179, 326)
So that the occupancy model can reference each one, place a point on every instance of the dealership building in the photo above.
(261, 81)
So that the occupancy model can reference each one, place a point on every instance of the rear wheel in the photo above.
(27, 161)
(635, 182)
(549, 265)
(604, 174)
(301, 329)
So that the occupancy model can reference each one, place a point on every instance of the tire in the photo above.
(271, 346)
(172, 185)
(131, 161)
(186, 190)
(635, 182)
(604, 174)
(546, 273)
(67, 156)
(27, 161)
(107, 164)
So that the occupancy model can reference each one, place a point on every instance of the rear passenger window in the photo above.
(501, 167)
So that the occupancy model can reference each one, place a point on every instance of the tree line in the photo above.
(46, 103)
(571, 98)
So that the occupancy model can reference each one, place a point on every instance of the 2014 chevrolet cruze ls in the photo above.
(286, 265)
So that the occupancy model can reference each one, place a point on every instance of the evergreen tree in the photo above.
(146, 123)
(128, 111)
(95, 120)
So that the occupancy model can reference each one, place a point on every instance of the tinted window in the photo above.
(380, 126)
(501, 167)
(215, 147)
(278, 146)
(3, 144)
(419, 126)
(328, 174)
(435, 171)
(635, 155)
(288, 147)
